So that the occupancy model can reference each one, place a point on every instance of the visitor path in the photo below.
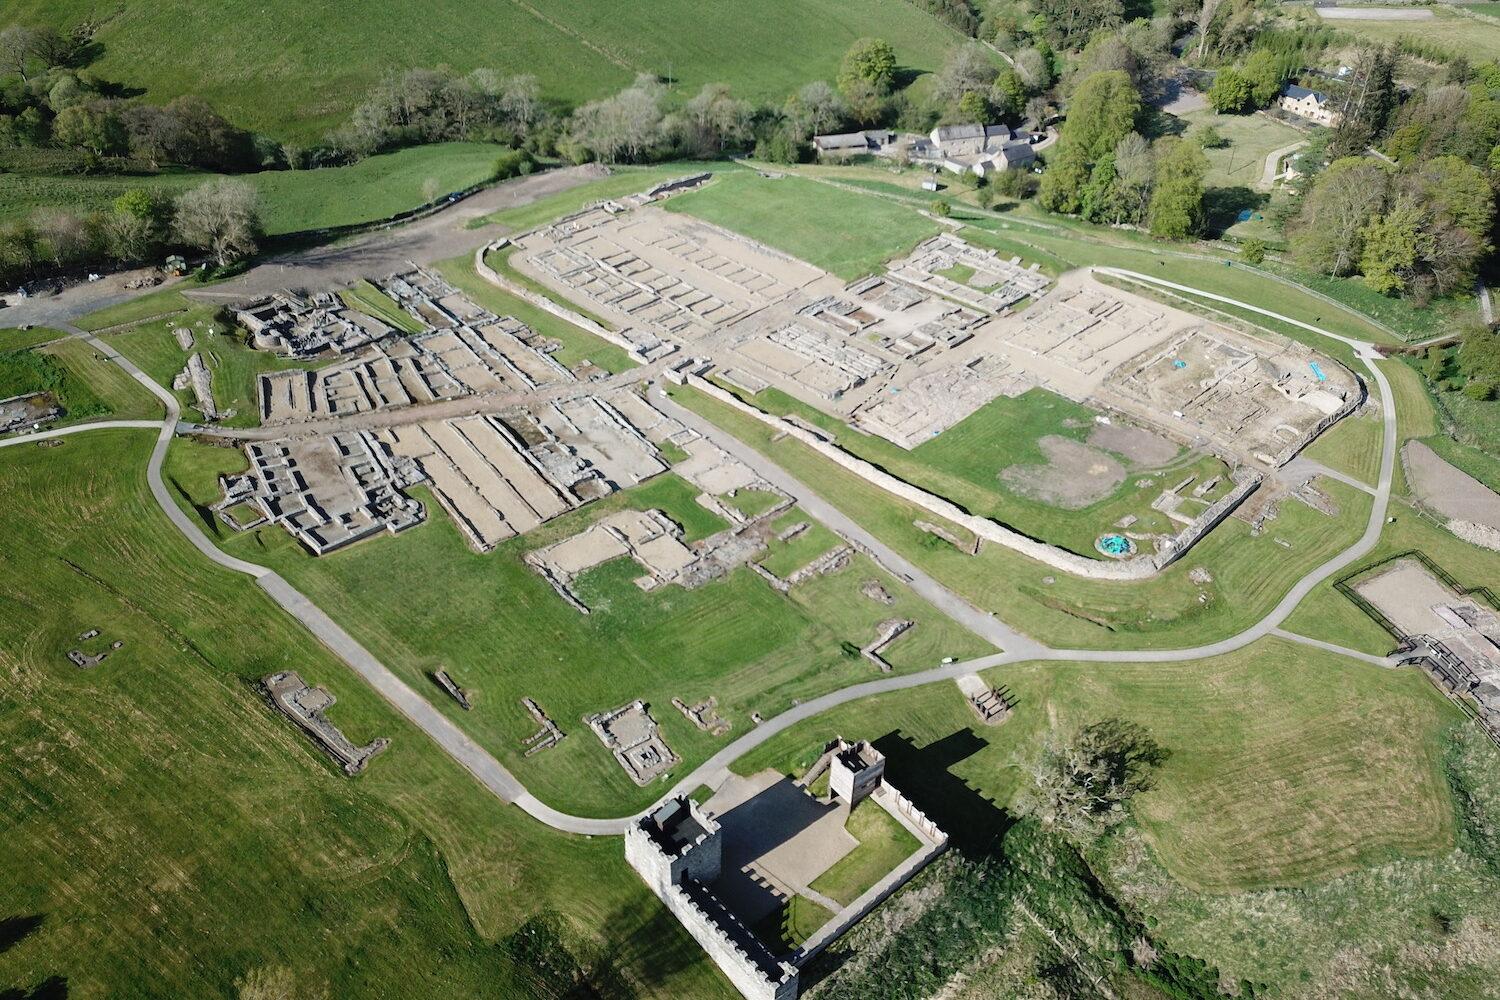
(1014, 646)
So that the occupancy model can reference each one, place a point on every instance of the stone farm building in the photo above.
(979, 149)
(1313, 105)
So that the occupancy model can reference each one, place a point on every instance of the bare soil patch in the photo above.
(1451, 492)
(1134, 444)
(1074, 476)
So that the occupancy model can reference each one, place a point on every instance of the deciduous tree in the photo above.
(222, 217)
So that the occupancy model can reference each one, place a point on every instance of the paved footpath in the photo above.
(981, 623)
(1014, 645)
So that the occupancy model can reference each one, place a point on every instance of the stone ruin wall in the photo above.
(892, 801)
(1138, 568)
(741, 969)
(546, 304)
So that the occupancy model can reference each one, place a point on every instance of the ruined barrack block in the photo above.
(631, 734)
(306, 706)
(28, 412)
(305, 327)
(328, 491)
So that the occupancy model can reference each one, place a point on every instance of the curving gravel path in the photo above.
(1016, 646)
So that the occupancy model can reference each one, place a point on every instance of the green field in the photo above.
(839, 231)
(965, 462)
(83, 383)
(1250, 574)
(1351, 750)
(15, 340)
(1301, 834)
(291, 200)
(883, 844)
(1327, 614)
(1250, 137)
(783, 558)
(622, 181)
(167, 834)
(1351, 446)
(295, 70)
(501, 632)
(1470, 37)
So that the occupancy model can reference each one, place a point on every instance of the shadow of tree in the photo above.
(1222, 207)
(51, 988)
(14, 930)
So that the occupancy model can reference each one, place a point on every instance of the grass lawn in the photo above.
(1250, 574)
(15, 340)
(622, 181)
(170, 835)
(1350, 750)
(366, 298)
(1250, 138)
(292, 200)
(965, 462)
(848, 234)
(1327, 614)
(296, 70)
(577, 344)
(1351, 446)
(883, 844)
(161, 302)
(501, 632)
(84, 384)
(783, 558)
(25, 372)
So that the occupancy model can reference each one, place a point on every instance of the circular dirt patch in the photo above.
(1074, 476)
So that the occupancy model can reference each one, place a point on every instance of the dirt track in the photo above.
(436, 237)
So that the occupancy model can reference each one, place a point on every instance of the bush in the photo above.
(1479, 389)
(1253, 251)
(942, 209)
(1018, 184)
(513, 163)
(1207, 137)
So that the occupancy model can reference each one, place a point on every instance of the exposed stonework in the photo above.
(1138, 568)
(305, 706)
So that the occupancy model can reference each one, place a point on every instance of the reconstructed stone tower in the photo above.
(679, 851)
(855, 771)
